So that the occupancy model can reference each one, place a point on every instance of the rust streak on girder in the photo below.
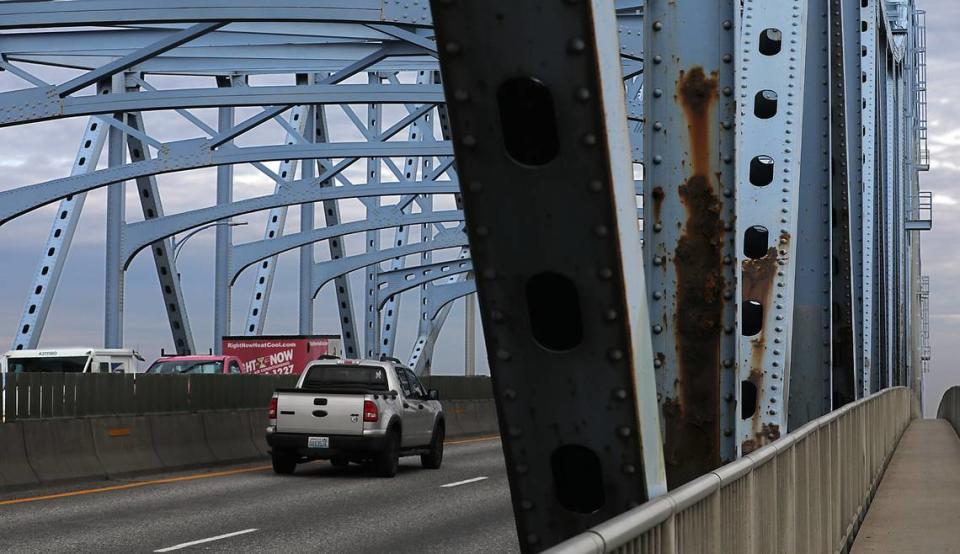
(758, 277)
(692, 419)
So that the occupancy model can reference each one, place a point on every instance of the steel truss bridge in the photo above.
(773, 148)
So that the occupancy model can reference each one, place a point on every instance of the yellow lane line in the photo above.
(138, 484)
(474, 439)
(134, 485)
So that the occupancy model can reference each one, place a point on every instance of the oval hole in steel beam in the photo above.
(528, 121)
(577, 478)
(553, 305)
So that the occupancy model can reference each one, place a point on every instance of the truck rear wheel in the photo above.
(435, 457)
(283, 464)
(387, 461)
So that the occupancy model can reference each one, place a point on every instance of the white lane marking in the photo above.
(201, 541)
(467, 482)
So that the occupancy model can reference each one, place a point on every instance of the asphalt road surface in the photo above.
(462, 507)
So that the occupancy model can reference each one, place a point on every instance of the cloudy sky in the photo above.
(45, 151)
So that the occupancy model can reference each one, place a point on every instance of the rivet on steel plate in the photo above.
(601, 230)
(611, 315)
(605, 273)
(616, 354)
(657, 295)
(657, 25)
(596, 185)
(589, 139)
(583, 94)
(526, 505)
(620, 394)
(577, 45)
(658, 159)
(469, 141)
(503, 355)
(657, 329)
(453, 48)
(629, 469)
(657, 92)
(658, 59)
(657, 227)
(624, 431)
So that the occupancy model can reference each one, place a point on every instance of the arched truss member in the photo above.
(380, 55)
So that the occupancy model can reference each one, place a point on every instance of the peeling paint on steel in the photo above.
(692, 419)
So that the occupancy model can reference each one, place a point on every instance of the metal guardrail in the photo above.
(949, 408)
(806, 492)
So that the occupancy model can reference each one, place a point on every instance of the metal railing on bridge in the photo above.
(806, 492)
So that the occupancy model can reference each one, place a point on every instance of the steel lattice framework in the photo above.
(780, 151)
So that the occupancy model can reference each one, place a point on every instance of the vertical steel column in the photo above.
(371, 314)
(890, 306)
(845, 376)
(853, 108)
(810, 360)
(116, 207)
(560, 275)
(331, 215)
(54, 256)
(167, 274)
(688, 217)
(869, 146)
(224, 233)
(470, 335)
(307, 223)
(770, 128)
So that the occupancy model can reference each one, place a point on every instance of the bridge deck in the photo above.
(917, 507)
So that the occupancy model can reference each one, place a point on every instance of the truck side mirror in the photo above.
(433, 394)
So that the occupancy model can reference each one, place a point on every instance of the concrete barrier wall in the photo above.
(15, 470)
(51, 451)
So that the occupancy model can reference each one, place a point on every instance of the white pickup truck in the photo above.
(355, 411)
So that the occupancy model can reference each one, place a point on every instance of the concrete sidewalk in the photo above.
(917, 507)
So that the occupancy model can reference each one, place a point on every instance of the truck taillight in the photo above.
(272, 412)
(370, 412)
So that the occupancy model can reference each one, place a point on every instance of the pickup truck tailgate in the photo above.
(319, 413)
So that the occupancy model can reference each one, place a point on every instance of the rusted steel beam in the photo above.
(689, 134)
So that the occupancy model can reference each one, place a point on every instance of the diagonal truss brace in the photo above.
(169, 277)
(54, 255)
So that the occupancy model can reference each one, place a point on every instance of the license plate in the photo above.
(318, 442)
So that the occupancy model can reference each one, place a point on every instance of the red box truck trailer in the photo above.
(280, 354)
